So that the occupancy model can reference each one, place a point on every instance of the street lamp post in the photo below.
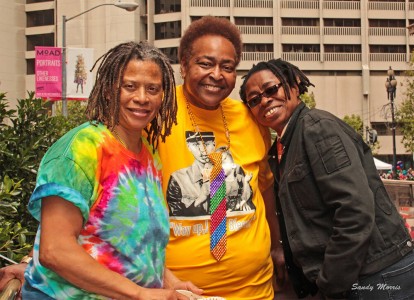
(391, 86)
(128, 6)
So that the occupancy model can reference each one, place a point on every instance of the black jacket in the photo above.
(340, 223)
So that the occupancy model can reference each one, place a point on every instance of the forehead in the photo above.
(144, 70)
(261, 79)
(214, 47)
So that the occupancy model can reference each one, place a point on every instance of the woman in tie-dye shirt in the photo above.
(103, 221)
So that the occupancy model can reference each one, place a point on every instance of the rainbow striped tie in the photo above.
(218, 207)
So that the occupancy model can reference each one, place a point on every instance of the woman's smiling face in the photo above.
(210, 73)
(275, 110)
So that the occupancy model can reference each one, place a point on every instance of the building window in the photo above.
(37, 1)
(386, 23)
(40, 18)
(30, 66)
(167, 6)
(386, 0)
(195, 18)
(253, 21)
(257, 47)
(172, 54)
(387, 49)
(167, 30)
(301, 48)
(342, 22)
(342, 48)
(40, 40)
(300, 22)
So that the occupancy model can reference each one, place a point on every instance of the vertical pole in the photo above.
(394, 152)
(64, 100)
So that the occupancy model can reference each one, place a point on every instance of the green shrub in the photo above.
(25, 135)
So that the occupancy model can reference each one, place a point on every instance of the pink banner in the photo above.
(48, 72)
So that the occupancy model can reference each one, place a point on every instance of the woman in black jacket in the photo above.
(339, 227)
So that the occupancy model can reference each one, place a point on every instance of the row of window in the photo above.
(307, 48)
(168, 6)
(341, 48)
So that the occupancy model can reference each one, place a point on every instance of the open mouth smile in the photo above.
(139, 112)
(273, 111)
(212, 88)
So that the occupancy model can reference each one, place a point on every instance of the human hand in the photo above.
(188, 286)
(204, 194)
(161, 294)
(11, 272)
(279, 265)
(172, 282)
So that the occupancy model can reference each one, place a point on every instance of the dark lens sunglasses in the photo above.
(270, 91)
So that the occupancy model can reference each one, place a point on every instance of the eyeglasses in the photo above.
(270, 91)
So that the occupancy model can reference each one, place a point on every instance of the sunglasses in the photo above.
(270, 91)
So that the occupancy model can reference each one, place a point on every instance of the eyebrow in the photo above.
(212, 58)
(263, 86)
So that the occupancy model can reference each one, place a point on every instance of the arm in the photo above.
(335, 160)
(276, 247)
(269, 197)
(61, 223)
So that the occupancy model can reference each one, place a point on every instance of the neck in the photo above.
(197, 103)
(131, 141)
(197, 129)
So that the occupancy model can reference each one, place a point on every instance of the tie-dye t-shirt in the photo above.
(120, 196)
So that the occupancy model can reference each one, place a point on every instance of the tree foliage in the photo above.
(405, 112)
(355, 121)
(25, 135)
(308, 99)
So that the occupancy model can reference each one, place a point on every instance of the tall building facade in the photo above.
(345, 47)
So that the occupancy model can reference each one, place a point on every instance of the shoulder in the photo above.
(317, 116)
(79, 140)
(237, 108)
(324, 123)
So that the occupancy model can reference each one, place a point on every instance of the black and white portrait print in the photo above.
(188, 191)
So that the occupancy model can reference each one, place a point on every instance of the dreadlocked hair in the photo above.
(103, 105)
(288, 74)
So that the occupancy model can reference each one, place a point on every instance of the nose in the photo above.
(265, 100)
(140, 96)
(216, 73)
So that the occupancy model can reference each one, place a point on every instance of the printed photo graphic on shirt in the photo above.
(188, 191)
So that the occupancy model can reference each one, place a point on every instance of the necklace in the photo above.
(116, 135)
(196, 128)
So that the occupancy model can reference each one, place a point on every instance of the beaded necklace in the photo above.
(196, 128)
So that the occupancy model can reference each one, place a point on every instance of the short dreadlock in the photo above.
(103, 104)
(288, 74)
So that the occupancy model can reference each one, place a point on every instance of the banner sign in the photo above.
(48, 72)
(79, 79)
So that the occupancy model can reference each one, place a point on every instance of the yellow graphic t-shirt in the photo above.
(246, 269)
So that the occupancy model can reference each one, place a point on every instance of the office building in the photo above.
(345, 47)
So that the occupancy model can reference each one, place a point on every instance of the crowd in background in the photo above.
(402, 173)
